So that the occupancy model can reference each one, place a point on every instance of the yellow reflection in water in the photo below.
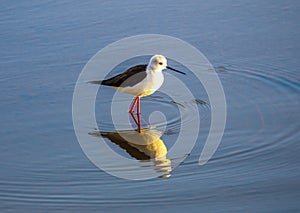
(145, 145)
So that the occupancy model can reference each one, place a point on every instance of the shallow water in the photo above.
(254, 47)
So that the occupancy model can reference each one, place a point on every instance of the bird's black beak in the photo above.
(170, 68)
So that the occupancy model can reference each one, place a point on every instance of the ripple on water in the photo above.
(262, 119)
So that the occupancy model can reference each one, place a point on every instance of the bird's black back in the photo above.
(129, 78)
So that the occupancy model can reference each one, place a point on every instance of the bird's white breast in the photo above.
(148, 85)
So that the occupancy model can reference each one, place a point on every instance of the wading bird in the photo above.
(140, 80)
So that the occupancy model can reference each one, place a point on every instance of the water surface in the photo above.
(254, 47)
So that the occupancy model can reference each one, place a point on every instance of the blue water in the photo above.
(255, 48)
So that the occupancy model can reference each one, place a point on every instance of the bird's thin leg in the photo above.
(137, 121)
(139, 124)
(133, 105)
(139, 113)
(138, 105)
(132, 115)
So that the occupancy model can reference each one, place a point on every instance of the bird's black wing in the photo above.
(129, 78)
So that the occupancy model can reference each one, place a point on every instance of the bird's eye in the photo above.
(160, 63)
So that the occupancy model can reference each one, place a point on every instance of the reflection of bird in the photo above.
(140, 80)
(143, 145)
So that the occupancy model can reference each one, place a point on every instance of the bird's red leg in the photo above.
(138, 120)
(138, 105)
(139, 123)
(133, 105)
(132, 115)
(139, 113)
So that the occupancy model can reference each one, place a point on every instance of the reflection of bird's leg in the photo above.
(133, 104)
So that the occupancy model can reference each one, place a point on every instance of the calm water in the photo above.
(255, 48)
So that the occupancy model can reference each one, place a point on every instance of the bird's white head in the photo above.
(158, 63)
